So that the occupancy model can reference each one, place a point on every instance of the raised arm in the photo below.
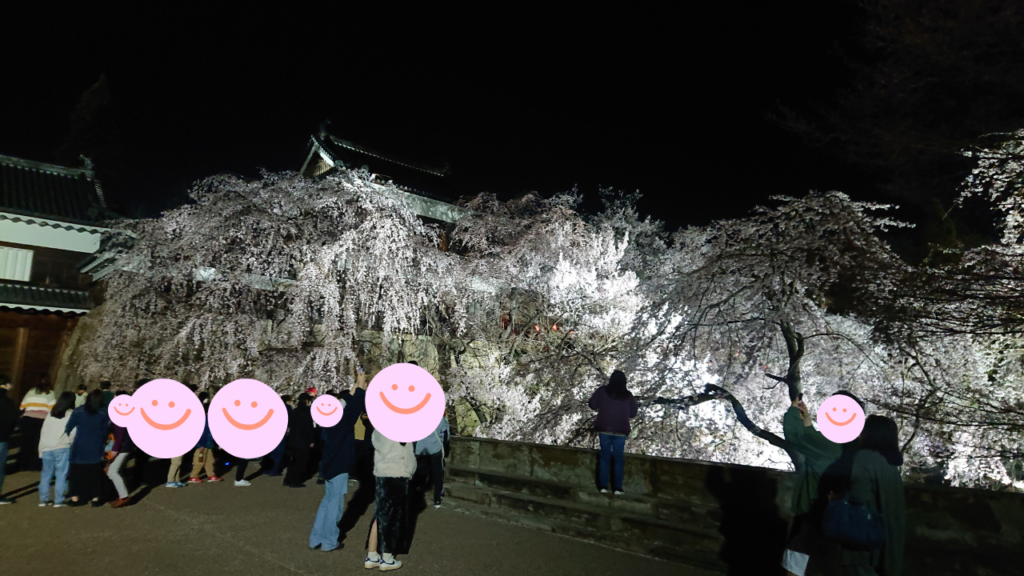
(72, 422)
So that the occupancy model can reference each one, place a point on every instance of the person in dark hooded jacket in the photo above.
(615, 407)
(301, 437)
(8, 421)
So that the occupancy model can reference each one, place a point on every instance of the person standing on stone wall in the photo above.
(8, 421)
(615, 407)
(36, 405)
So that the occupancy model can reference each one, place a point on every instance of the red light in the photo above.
(537, 328)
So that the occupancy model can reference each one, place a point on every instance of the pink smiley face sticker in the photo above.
(121, 409)
(167, 420)
(840, 419)
(404, 402)
(326, 410)
(247, 418)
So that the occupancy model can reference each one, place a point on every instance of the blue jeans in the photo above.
(277, 455)
(55, 462)
(611, 445)
(325, 527)
(3, 464)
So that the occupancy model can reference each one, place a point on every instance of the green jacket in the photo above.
(819, 453)
(877, 484)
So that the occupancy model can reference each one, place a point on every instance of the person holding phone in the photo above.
(820, 453)
(338, 461)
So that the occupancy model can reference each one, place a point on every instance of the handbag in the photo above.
(854, 525)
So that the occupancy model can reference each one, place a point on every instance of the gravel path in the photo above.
(264, 530)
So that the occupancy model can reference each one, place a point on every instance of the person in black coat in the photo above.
(8, 421)
(87, 450)
(301, 437)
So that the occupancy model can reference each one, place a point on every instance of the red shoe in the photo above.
(120, 502)
(194, 481)
(214, 479)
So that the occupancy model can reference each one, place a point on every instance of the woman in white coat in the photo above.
(394, 464)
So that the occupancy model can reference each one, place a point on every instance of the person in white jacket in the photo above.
(394, 464)
(55, 450)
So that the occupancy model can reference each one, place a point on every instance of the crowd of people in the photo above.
(71, 441)
(77, 445)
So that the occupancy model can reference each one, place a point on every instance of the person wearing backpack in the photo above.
(876, 483)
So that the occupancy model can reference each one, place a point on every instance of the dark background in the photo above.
(672, 99)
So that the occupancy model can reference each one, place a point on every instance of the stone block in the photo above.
(634, 505)
(525, 485)
(508, 457)
(700, 517)
(553, 510)
(570, 465)
(468, 493)
(465, 452)
(454, 474)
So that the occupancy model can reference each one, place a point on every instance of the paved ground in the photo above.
(264, 529)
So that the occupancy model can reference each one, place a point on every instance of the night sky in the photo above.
(671, 99)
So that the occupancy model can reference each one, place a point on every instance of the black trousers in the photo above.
(392, 516)
(430, 470)
(28, 449)
(240, 465)
(297, 466)
(86, 481)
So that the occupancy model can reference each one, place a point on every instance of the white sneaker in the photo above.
(619, 492)
(368, 564)
(44, 504)
(604, 490)
(243, 483)
(61, 505)
(393, 565)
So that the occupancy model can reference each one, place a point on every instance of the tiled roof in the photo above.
(41, 298)
(411, 177)
(48, 191)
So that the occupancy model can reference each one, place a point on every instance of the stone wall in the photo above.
(950, 530)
